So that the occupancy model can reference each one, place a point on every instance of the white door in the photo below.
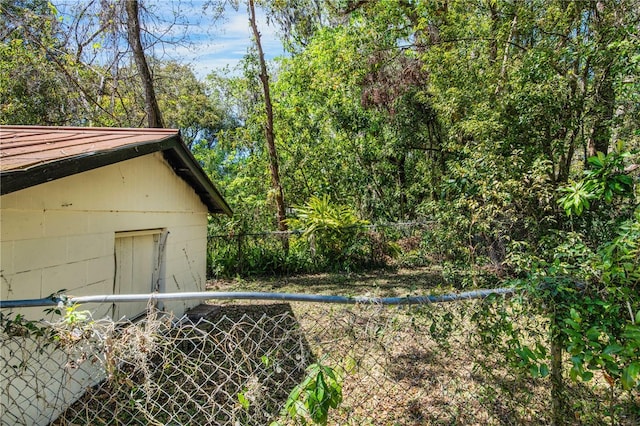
(136, 267)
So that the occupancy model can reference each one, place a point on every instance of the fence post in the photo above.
(372, 254)
(557, 384)
(240, 256)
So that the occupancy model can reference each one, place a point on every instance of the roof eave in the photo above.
(175, 152)
(186, 166)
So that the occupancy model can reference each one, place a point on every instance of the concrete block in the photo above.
(89, 246)
(9, 201)
(95, 288)
(100, 269)
(21, 224)
(6, 258)
(63, 223)
(68, 276)
(39, 253)
(23, 285)
(121, 221)
(188, 233)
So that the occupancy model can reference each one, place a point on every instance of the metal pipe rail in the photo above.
(288, 297)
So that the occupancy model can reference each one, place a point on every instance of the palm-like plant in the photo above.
(329, 228)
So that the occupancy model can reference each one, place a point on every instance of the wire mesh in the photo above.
(237, 364)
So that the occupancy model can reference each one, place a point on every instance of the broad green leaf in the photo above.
(244, 402)
(630, 375)
(596, 160)
(535, 372)
(544, 370)
(586, 376)
(593, 333)
(612, 349)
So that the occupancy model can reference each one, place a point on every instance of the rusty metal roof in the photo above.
(25, 146)
(31, 155)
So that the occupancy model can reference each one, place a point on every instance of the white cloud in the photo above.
(224, 44)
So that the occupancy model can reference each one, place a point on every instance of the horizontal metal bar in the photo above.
(290, 297)
(28, 303)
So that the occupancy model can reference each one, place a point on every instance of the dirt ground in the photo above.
(404, 376)
(415, 368)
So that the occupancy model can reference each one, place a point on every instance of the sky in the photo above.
(206, 43)
(215, 44)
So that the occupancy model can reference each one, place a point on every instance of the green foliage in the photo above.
(320, 391)
(259, 254)
(186, 104)
(577, 198)
(332, 229)
(33, 89)
(325, 237)
(592, 294)
(17, 325)
(423, 116)
(605, 180)
(584, 282)
(619, 258)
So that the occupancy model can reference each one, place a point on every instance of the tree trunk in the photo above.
(133, 35)
(601, 131)
(604, 94)
(401, 183)
(269, 134)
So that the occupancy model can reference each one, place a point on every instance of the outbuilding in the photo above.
(95, 211)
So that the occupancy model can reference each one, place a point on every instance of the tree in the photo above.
(237, 156)
(352, 105)
(37, 84)
(299, 20)
(186, 104)
(269, 130)
(154, 116)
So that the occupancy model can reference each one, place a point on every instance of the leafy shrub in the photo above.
(334, 232)
(588, 286)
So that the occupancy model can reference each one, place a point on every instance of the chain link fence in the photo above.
(262, 253)
(259, 363)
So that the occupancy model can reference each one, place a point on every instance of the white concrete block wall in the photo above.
(38, 383)
(61, 234)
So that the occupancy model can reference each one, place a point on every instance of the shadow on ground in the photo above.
(380, 283)
(219, 365)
